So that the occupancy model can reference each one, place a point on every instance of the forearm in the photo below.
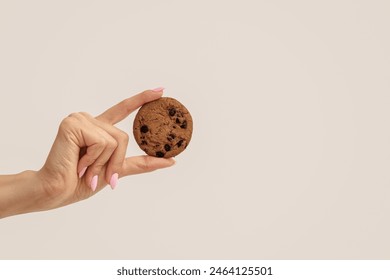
(20, 193)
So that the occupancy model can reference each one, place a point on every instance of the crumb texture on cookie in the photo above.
(163, 128)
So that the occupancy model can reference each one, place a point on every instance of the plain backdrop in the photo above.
(290, 156)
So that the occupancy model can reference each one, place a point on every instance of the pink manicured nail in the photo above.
(114, 180)
(94, 182)
(158, 89)
(82, 172)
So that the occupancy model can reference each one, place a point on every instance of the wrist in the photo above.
(21, 193)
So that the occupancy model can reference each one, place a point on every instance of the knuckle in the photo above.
(144, 96)
(68, 122)
(72, 115)
(124, 137)
(71, 120)
(90, 159)
(79, 116)
(120, 136)
(111, 144)
(92, 155)
(76, 115)
(84, 114)
(145, 164)
(102, 142)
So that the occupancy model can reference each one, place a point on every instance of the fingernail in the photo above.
(114, 180)
(82, 172)
(158, 89)
(94, 182)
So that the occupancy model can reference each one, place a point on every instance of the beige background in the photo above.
(290, 157)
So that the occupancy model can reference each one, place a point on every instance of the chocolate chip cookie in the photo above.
(163, 127)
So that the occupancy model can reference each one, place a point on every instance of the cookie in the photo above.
(163, 127)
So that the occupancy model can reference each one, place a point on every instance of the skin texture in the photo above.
(85, 145)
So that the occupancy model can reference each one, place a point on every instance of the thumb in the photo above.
(143, 164)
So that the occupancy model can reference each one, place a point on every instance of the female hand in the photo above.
(88, 153)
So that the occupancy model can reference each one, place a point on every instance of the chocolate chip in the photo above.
(180, 143)
(167, 147)
(174, 126)
(160, 154)
(171, 136)
(177, 120)
(172, 112)
(143, 142)
(144, 129)
(184, 124)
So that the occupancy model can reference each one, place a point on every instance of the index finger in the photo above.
(124, 108)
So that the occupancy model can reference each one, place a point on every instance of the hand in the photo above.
(90, 152)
